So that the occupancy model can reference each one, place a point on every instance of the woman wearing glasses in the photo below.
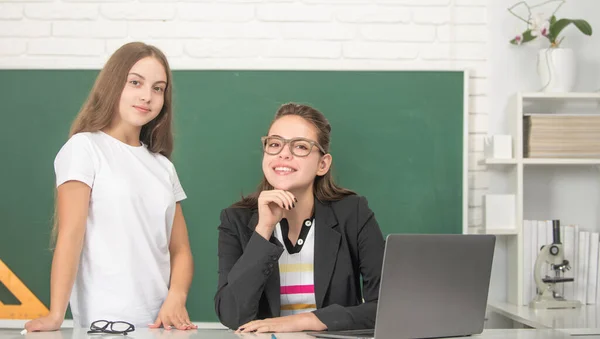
(292, 254)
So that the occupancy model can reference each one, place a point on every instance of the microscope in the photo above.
(547, 296)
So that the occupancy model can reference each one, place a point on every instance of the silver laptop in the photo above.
(432, 286)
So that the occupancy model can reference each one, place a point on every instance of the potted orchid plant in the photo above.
(556, 65)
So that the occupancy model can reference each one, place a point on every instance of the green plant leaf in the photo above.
(583, 26)
(558, 26)
(552, 20)
(526, 37)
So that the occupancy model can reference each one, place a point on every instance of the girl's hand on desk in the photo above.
(290, 323)
(173, 314)
(47, 323)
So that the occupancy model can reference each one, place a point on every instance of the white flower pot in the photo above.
(556, 69)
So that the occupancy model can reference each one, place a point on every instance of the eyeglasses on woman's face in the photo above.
(300, 147)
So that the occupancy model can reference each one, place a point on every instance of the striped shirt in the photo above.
(296, 270)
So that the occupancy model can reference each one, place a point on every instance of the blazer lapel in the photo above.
(327, 243)
(272, 284)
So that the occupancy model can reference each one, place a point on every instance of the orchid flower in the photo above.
(518, 39)
(539, 25)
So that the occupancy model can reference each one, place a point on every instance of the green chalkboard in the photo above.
(397, 138)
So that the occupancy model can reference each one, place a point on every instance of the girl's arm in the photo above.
(73, 200)
(173, 312)
(182, 264)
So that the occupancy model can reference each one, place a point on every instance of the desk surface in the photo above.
(588, 316)
(226, 334)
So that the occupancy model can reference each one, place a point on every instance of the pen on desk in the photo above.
(273, 336)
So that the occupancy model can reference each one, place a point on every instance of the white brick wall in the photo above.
(61, 11)
(263, 34)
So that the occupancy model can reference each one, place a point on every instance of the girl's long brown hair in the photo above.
(324, 187)
(102, 103)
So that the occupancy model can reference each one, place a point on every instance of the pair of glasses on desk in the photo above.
(111, 327)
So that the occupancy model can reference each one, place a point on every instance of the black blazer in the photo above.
(348, 244)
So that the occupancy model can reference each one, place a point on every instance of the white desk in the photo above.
(588, 316)
(226, 334)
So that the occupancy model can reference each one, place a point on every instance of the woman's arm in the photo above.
(243, 273)
(73, 200)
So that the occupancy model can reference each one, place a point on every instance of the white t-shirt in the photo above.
(125, 262)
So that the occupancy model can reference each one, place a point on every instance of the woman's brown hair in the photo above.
(102, 103)
(324, 187)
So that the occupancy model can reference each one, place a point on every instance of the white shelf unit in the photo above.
(514, 171)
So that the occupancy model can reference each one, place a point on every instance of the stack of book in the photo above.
(561, 136)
